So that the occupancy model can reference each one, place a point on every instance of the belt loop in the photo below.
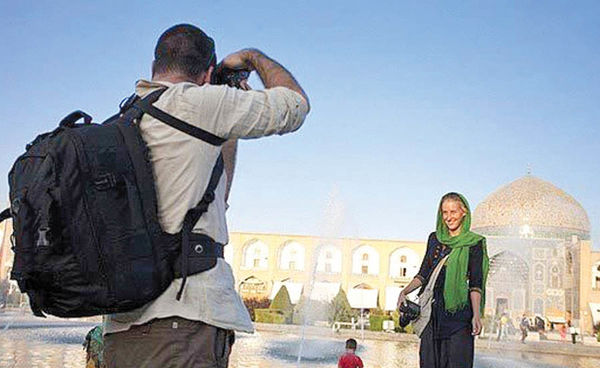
(145, 328)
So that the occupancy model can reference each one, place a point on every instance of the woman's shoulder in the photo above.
(478, 247)
(432, 241)
(482, 241)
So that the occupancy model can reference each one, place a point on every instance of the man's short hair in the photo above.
(351, 344)
(184, 49)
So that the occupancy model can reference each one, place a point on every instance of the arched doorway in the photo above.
(509, 280)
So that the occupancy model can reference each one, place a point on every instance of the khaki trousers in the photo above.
(169, 343)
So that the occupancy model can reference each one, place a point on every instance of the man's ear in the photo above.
(208, 75)
(153, 67)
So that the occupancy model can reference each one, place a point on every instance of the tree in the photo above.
(282, 301)
(340, 309)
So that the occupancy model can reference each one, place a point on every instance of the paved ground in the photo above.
(590, 347)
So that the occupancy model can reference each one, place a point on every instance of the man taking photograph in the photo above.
(196, 329)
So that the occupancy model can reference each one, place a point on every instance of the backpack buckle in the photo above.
(43, 237)
(105, 181)
(127, 102)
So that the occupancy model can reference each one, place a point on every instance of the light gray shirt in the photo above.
(182, 166)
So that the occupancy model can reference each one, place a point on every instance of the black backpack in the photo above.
(87, 240)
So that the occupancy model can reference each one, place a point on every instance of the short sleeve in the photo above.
(360, 362)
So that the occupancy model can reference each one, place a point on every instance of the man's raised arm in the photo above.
(271, 73)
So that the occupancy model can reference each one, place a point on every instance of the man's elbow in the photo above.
(307, 104)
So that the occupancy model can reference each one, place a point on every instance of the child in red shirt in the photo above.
(350, 359)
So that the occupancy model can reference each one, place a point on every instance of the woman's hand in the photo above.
(477, 325)
(414, 284)
(401, 299)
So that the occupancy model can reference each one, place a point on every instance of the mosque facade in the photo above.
(541, 258)
(538, 237)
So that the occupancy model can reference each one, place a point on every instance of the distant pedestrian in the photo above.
(540, 325)
(350, 359)
(503, 324)
(524, 326)
(573, 332)
(499, 329)
(563, 332)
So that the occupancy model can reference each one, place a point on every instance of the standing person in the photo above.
(350, 359)
(448, 339)
(572, 331)
(499, 325)
(524, 326)
(541, 328)
(504, 326)
(193, 326)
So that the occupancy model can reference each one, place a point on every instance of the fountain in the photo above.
(32, 342)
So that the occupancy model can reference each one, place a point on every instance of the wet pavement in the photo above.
(27, 342)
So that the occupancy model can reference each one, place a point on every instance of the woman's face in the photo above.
(452, 214)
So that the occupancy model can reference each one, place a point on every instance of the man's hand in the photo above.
(244, 85)
(238, 60)
(477, 325)
(271, 73)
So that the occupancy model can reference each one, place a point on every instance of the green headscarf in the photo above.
(456, 287)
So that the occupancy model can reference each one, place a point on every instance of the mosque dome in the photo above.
(531, 207)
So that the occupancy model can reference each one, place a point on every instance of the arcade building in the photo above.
(538, 237)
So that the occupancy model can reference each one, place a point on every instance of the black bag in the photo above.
(87, 240)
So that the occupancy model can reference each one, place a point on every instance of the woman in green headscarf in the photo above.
(458, 290)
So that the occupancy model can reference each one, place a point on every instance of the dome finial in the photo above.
(528, 169)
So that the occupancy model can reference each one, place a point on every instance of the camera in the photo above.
(409, 311)
(230, 77)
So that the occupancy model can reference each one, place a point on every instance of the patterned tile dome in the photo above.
(531, 207)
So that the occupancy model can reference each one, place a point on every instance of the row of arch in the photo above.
(366, 260)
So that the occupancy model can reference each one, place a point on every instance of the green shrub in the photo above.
(340, 309)
(396, 319)
(407, 330)
(256, 303)
(376, 322)
(271, 316)
(282, 301)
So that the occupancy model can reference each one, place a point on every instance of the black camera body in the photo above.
(230, 77)
(409, 311)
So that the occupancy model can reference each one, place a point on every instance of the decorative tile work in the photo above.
(530, 201)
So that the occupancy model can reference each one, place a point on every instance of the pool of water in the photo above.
(32, 347)
(268, 350)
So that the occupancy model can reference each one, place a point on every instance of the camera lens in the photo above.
(404, 321)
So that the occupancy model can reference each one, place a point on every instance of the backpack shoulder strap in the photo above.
(194, 214)
(146, 105)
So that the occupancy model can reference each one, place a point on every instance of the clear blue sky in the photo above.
(409, 101)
